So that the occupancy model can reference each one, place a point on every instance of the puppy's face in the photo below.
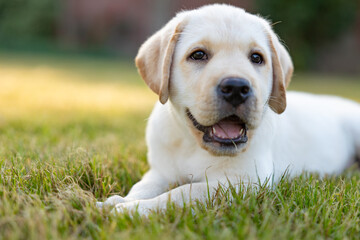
(221, 79)
(222, 76)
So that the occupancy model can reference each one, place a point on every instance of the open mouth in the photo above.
(228, 132)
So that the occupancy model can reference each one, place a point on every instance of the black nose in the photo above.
(235, 90)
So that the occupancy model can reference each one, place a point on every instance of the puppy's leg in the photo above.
(180, 195)
(111, 201)
(150, 186)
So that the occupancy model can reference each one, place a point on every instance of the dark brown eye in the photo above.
(256, 58)
(199, 55)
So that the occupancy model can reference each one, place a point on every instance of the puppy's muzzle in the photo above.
(235, 91)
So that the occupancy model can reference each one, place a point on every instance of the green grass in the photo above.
(72, 131)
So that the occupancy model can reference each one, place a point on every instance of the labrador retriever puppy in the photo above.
(221, 75)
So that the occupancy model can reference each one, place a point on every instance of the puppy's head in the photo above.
(221, 68)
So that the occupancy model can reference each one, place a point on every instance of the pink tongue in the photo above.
(227, 129)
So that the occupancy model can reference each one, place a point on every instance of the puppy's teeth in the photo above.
(214, 131)
(241, 132)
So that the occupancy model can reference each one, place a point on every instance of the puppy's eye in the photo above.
(256, 58)
(199, 55)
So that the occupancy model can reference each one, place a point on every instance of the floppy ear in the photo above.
(155, 57)
(282, 67)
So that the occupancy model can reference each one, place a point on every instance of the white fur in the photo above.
(316, 133)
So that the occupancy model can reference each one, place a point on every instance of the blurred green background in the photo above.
(322, 35)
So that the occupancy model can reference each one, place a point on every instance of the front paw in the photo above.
(140, 207)
(111, 201)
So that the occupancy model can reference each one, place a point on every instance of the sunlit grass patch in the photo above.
(45, 89)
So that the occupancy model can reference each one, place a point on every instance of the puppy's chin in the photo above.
(217, 149)
(226, 137)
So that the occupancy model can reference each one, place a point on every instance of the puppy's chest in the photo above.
(199, 167)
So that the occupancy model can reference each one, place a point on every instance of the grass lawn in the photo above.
(72, 131)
